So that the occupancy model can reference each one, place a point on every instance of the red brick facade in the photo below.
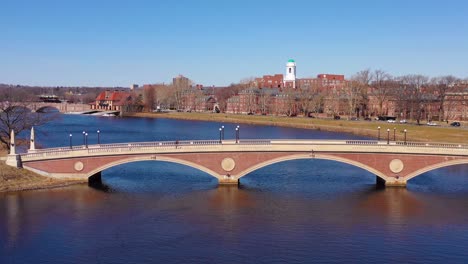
(112, 100)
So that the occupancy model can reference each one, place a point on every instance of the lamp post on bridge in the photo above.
(220, 135)
(86, 140)
(84, 137)
(405, 135)
(237, 136)
(378, 133)
(388, 136)
(222, 132)
(98, 137)
(71, 145)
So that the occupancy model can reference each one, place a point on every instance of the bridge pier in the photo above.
(381, 183)
(228, 180)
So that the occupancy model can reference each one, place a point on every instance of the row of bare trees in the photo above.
(412, 94)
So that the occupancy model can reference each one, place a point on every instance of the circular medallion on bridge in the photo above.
(228, 164)
(79, 166)
(396, 165)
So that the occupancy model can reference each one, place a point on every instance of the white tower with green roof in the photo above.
(290, 77)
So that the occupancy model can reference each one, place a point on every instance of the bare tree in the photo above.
(16, 115)
(352, 92)
(309, 98)
(132, 104)
(440, 87)
(264, 101)
(381, 88)
(149, 97)
(288, 99)
(363, 77)
(415, 86)
(250, 100)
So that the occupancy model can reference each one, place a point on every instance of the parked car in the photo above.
(337, 117)
(403, 121)
(455, 124)
(354, 119)
(368, 119)
(391, 121)
(432, 124)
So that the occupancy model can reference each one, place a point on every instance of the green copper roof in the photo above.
(291, 60)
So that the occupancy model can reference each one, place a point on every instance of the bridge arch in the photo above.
(42, 109)
(316, 156)
(159, 158)
(436, 166)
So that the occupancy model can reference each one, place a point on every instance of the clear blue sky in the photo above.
(117, 43)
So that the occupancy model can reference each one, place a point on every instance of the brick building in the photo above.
(270, 81)
(456, 105)
(181, 81)
(197, 99)
(281, 94)
(112, 100)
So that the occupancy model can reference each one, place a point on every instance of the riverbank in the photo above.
(362, 128)
(13, 179)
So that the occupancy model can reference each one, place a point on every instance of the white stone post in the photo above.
(12, 143)
(13, 159)
(32, 143)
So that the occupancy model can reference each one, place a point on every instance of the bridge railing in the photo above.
(362, 142)
(432, 145)
(152, 144)
(111, 147)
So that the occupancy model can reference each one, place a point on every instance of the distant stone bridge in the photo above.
(394, 163)
(61, 107)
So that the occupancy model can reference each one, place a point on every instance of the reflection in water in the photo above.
(161, 220)
(12, 221)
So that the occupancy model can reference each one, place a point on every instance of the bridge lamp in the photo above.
(98, 137)
(388, 136)
(71, 146)
(86, 140)
(238, 133)
(405, 135)
(378, 133)
(237, 137)
(220, 130)
(84, 137)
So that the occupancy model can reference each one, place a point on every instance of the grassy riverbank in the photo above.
(363, 128)
(13, 179)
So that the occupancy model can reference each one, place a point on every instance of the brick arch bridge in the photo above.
(394, 163)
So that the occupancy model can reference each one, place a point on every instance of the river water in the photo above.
(292, 212)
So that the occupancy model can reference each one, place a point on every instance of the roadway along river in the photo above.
(292, 212)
